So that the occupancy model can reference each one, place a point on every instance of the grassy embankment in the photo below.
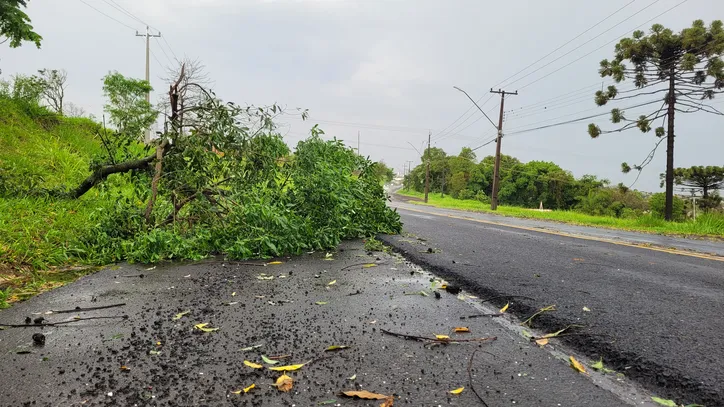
(706, 225)
(37, 235)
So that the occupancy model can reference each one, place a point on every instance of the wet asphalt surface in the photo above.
(654, 316)
(146, 358)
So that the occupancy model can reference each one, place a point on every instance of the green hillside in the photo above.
(40, 150)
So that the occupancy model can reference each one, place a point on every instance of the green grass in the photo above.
(707, 225)
(37, 236)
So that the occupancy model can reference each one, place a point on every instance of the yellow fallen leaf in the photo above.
(271, 263)
(457, 391)
(233, 294)
(236, 392)
(369, 265)
(444, 286)
(505, 308)
(577, 365)
(389, 402)
(333, 282)
(202, 327)
(180, 315)
(586, 309)
(442, 337)
(284, 383)
(125, 368)
(252, 365)
(247, 389)
(321, 302)
(542, 341)
(461, 329)
(288, 367)
(364, 394)
(336, 347)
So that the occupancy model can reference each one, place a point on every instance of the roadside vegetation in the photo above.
(220, 180)
(460, 182)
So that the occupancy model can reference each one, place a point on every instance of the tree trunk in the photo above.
(102, 173)
(669, 210)
(154, 182)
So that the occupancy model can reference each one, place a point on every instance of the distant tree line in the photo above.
(540, 182)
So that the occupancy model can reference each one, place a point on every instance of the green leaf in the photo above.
(321, 302)
(269, 361)
(664, 402)
(248, 348)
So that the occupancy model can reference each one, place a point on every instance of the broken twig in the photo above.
(470, 378)
(59, 323)
(507, 296)
(436, 340)
(540, 311)
(482, 315)
(79, 309)
(358, 264)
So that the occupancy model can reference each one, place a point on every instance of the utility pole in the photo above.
(496, 169)
(427, 171)
(148, 36)
(693, 201)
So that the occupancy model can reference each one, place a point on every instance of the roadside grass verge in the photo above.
(706, 225)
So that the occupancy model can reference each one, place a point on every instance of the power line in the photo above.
(499, 83)
(578, 47)
(112, 18)
(120, 8)
(169, 48)
(602, 46)
(162, 50)
(579, 119)
(568, 42)
(454, 129)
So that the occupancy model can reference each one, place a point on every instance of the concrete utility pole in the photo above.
(427, 171)
(148, 36)
(496, 169)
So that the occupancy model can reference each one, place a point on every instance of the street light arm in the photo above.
(476, 105)
(418, 151)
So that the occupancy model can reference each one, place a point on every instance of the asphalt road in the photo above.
(654, 316)
(146, 357)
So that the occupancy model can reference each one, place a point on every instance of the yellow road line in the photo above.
(584, 237)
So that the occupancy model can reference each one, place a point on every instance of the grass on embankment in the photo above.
(706, 225)
(39, 149)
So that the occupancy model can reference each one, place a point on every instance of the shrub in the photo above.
(466, 194)
(657, 203)
(480, 196)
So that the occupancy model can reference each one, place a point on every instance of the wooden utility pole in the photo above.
(496, 169)
(148, 36)
(427, 171)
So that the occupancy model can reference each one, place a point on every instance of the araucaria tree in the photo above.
(706, 179)
(685, 68)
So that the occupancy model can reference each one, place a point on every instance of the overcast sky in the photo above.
(386, 68)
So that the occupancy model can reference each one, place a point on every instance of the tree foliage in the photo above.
(54, 84)
(383, 172)
(708, 180)
(15, 24)
(679, 71)
(127, 107)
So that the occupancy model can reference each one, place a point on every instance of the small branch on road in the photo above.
(482, 315)
(508, 296)
(540, 311)
(358, 264)
(436, 340)
(470, 378)
(79, 309)
(59, 323)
